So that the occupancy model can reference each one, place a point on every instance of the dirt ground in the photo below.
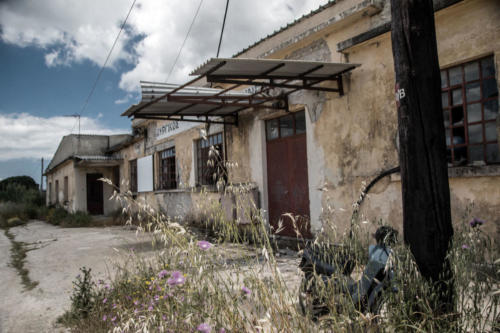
(54, 263)
(55, 260)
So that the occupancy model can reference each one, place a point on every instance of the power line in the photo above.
(106, 61)
(222, 30)
(184, 42)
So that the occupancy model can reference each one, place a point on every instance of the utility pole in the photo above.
(41, 178)
(427, 224)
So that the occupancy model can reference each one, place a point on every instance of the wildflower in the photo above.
(157, 298)
(246, 290)
(114, 306)
(204, 245)
(113, 319)
(148, 283)
(205, 328)
(222, 330)
(104, 318)
(162, 274)
(104, 301)
(164, 317)
(465, 246)
(176, 279)
(150, 308)
(476, 222)
(136, 311)
(136, 302)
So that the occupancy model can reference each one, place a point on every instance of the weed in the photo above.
(18, 252)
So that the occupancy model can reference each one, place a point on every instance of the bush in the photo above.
(76, 220)
(24, 181)
(56, 215)
(10, 210)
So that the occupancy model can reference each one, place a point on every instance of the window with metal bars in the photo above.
(470, 106)
(133, 175)
(168, 179)
(210, 166)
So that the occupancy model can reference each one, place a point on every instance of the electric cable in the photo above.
(106, 61)
(222, 30)
(184, 42)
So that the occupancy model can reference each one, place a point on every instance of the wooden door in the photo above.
(95, 203)
(288, 186)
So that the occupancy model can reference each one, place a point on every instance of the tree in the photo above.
(427, 224)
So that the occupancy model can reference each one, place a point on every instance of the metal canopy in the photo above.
(189, 103)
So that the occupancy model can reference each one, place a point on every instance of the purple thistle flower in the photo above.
(476, 222)
(136, 302)
(104, 318)
(246, 290)
(162, 274)
(113, 319)
(204, 245)
(157, 298)
(204, 328)
(176, 279)
(114, 306)
(104, 301)
(150, 308)
(465, 246)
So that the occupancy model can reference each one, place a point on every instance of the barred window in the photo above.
(167, 169)
(209, 166)
(133, 175)
(470, 105)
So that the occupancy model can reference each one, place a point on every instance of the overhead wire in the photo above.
(105, 62)
(222, 30)
(184, 42)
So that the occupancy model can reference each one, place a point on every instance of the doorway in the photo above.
(287, 179)
(95, 203)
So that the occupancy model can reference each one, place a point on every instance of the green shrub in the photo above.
(56, 215)
(9, 210)
(14, 222)
(24, 181)
(76, 220)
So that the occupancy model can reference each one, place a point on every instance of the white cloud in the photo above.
(73, 31)
(26, 136)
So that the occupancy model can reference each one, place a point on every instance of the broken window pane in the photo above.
(444, 79)
(446, 115)
(476, 133)
(474, 112)
(488, 67)
(476, 153)
(457, 115)
(272, 129)
(455, 76)
(457, 96)
(471, 71)
(472, 92)
(300, 122)
(286, 126)
(490, 88)
(491, 109)
(444, 99)
(492, 153)
(490, 131)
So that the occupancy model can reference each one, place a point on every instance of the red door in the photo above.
(288, 188)
(95, 204)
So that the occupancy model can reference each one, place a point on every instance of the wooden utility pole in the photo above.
(41, 178)
(424, 172)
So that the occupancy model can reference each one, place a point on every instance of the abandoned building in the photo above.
(309, 115)
(73, 173)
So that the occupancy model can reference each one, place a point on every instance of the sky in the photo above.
(52, 51)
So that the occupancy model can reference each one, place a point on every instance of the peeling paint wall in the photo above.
(351, 139)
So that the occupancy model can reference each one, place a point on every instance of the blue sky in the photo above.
(51, 52)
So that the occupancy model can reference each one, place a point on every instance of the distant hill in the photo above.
(25, 181)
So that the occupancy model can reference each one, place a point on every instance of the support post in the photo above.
(424, 172)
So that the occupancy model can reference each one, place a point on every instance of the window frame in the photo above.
(204, 172)
(167, 176)
(133, 175)
(451, 126)
(66, 190)
(279, 120)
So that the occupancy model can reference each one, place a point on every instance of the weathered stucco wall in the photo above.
(352, 138)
